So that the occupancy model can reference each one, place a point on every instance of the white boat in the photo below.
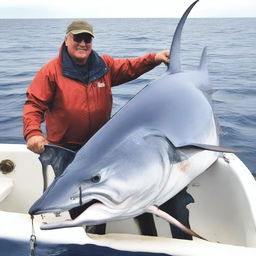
(224, 213)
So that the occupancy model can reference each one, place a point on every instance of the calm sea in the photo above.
(26, 45)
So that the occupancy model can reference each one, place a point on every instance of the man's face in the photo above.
(79, 47)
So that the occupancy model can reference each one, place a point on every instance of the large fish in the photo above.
(148, 152)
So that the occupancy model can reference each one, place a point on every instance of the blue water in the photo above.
(25, 45)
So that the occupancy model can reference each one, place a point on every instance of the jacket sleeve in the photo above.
(39, 96)
(125, 70)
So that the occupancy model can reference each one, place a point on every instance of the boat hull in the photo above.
(224, 212)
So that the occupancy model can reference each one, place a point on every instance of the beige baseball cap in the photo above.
(80, 26)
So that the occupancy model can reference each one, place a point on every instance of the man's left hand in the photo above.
(163, 56)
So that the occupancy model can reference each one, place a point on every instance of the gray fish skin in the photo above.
(143, 156)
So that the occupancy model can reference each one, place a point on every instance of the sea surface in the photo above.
(26, 45)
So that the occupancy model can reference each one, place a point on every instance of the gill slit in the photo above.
(80, 196)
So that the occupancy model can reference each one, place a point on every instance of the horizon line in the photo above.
(34, 18)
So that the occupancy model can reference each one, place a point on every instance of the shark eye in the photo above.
(95, 179)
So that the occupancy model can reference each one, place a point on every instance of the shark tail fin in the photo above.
(175, 64)
(58, 157)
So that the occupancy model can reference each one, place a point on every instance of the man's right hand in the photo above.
(36, 144)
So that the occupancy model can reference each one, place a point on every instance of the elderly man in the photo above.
(72, 92)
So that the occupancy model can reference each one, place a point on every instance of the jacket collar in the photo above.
(95, 67)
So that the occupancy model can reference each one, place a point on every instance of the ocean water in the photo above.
(26, 45)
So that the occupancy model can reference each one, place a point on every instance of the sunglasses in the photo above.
(87, 38)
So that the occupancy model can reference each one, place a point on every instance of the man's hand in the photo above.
(163, 56)
(36, 144)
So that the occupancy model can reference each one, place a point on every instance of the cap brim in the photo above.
(74, 32)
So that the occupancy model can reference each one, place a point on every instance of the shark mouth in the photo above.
(95, 210)
(79, 216)
(76, 211)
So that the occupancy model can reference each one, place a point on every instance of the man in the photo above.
(72, 93)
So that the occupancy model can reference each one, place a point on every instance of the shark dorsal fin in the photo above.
(175, 65)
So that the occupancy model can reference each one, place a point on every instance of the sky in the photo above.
(124, 8)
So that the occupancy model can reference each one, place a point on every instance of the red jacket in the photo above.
(75, 110)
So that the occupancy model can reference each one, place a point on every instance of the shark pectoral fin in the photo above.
(155, 210)
(217, 148)
(58, 157)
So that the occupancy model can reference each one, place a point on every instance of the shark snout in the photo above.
(56, 198)
(39, 207)
(47, 204)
